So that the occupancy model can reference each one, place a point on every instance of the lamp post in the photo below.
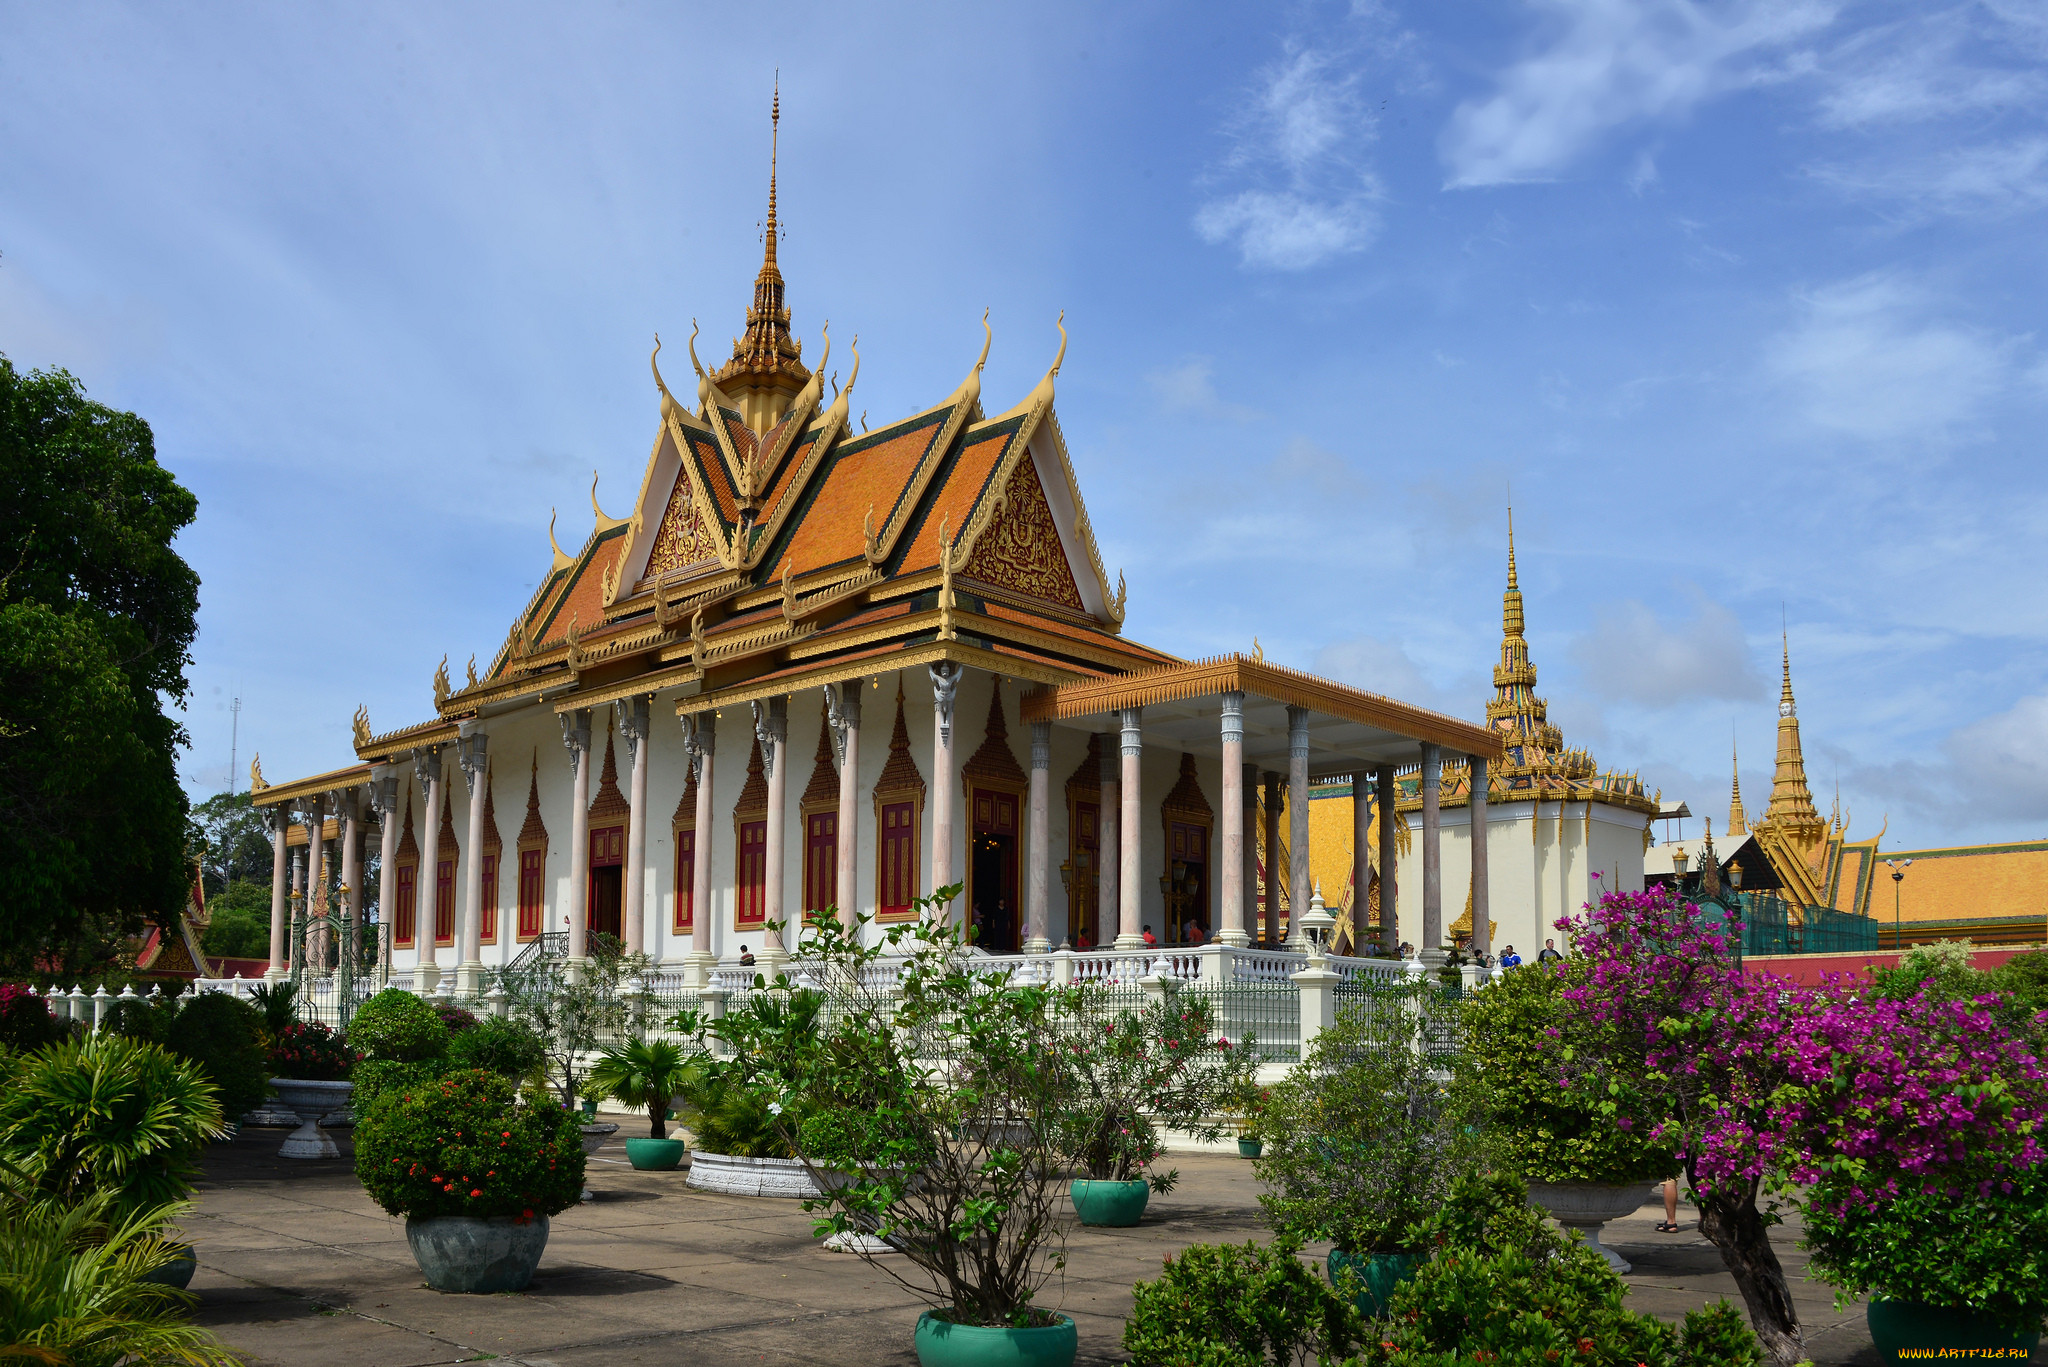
(1898, 868)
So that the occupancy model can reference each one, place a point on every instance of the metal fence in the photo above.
(1772, 925)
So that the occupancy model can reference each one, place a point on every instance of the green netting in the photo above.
(1771, 925)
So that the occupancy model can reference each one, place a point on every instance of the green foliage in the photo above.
(279, 1003)
(239, 924)
(646, 1073)
(726, 1113)
(1538, 1123)
(310, 1052)
(97, 620)
(1501, 1287)
(462, 1144)
(106, 1113)
(2024, 980)
(1130, 1074)
(961, 1170)
(236, 841)
(1982, 1251)
(26, 1021)
(224, 1037)
(373, 1077)
(396, 1026)
(1942, 969)
(72, 1288)
(505, 1047)
(1361, 1138)
(572, 1018)
(1232, 1305)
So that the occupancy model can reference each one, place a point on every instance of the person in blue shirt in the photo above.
(1510, 959)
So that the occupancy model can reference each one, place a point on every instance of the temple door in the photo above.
(992, 893)
(607, 881)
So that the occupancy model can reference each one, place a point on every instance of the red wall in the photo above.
(1810, 968)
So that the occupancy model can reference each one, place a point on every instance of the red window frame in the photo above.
(406, 905)
(821, 863)
(898, 859)
(487, 915)
(750, 905)
(532, 892)
(686, 880)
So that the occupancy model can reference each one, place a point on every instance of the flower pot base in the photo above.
(943, 1344)
(309, 1141)
(733, 1176)
(656, 1155)
(1377, 1275)
(1109, 1205)
(477, 1257)
(851, 1241)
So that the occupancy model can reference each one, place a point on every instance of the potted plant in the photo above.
(647, 1074)
(950, 1156)
(309, 1067)
(1126, 1075)
(1585, 1158)
(107, 1114)
(1362, 1141)
(1246, 1109)
(401, 1041)
(474, 1172)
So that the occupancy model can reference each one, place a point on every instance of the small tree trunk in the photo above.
(1734, 1225)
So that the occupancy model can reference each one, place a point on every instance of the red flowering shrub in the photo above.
(462, 1144)
(310, 1052)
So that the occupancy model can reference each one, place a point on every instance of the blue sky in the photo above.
(1742, 300)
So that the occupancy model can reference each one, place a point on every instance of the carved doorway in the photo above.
(607, 881)
(993, 889)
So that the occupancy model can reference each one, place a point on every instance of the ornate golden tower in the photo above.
(766, 371)
(1738, 820)
(1532, 744)
(1791, 800)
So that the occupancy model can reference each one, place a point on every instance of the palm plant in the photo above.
(73, 1288)
(649, 1073)
(279, 1004)
(106, 1114)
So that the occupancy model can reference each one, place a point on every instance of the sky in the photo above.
(1739, 302)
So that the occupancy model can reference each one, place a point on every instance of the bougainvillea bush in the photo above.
(310, 1052)
(462, 1144)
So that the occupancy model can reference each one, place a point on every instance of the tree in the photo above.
(240, 924)
(97, 618)
(236, 840)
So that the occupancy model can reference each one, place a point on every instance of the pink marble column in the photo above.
(576, 739)
(1482, 918)
(1230, 858)
(426, 973)
(1130, 890)
(1108, 845)
(844, 703)
(280, 892)
(771, 726)
(1038, 915)
(945, 677)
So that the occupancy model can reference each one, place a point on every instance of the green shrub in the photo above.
(397, 1026)
(726, 1115)
(1976, 1250)
(1237, 1305)
(462, 1144)
(224, 1036)
(373, 1077)
(644, 1074)
(311, 1052)
(26, 1021)
(505, 1047)
(1500, 1286)
(279, 1003)
(1512, 1067)
(139, 1018)
(458, 1019)
(106, 1114)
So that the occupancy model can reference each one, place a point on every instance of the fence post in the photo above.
(102, 1000)
(1063, 968)
(1318, 984)
(711, 1001)
(497, 1000)
(1215, 961)
(1156, 985)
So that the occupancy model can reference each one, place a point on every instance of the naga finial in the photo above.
(441, 689)
(472, 671)
(988, 338)
(361, 726)
(1060, 359)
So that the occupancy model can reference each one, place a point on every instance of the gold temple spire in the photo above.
(1791, 798)
(766, 371)
(1738, 820)
(1511, 602)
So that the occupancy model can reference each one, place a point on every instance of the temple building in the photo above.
(1988, 894)
(816, 670)
(1559, 829)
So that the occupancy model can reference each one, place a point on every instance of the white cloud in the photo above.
(1189, 390)
(1867, 357)
(1383, 666)
(1999, 177)
(1299, 147)
(1631, 656)
(1927, 67)
(2005, 759)
(1614, 62)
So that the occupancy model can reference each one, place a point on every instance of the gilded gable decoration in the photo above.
(753, 799)
(609, 802)
(1020, 549)
(446, 847)
(993, 765)
(900, 777)
(821, 794)
(681, 539)
(493, 844)
(408, 845)
(533, 835)
(1187, 801)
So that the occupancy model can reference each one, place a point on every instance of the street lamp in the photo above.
(1316, 924)
(1898, 868)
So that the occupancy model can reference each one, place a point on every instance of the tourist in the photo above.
(1084, 940)
(1670, 1225)
(1194, 934)
(1549, 954)
(746, 957)
(1151, 940)
(1407, 950)
(1510, 959)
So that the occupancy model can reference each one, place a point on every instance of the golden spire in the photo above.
(1511, 602)
(1516, 712)
(1738, 820)
(1791, 799)
(766, 371)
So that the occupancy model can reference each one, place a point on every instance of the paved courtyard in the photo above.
(298, 1267)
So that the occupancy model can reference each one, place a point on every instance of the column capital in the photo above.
(771, 728)
(1233, 717)
(1297, 732)
(945, 685)
(575, 733)
(278, 817)
(470, 756)
(631, 714)
(842, 712)
(1041, 745)
(1130, 721)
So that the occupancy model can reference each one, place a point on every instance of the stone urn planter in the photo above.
(733, 1176)
(1586, 1206)
(177, 1272)
(648, 1154)
(463, 1254)
(941, 1343)
(594, 1135)
(851, 1240)
(1112, 1205)
(310, 1101)
(1925, 1331)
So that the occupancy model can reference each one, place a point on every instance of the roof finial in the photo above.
(1511, 546)
(774, 138)
(1785, 704)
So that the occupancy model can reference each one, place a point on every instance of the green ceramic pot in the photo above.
(944, 1344)
(589, 1109)
(1377, 1273)
(1114, 1204)
(1250, 1148)
(1902, 1326)
(656, 1155)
